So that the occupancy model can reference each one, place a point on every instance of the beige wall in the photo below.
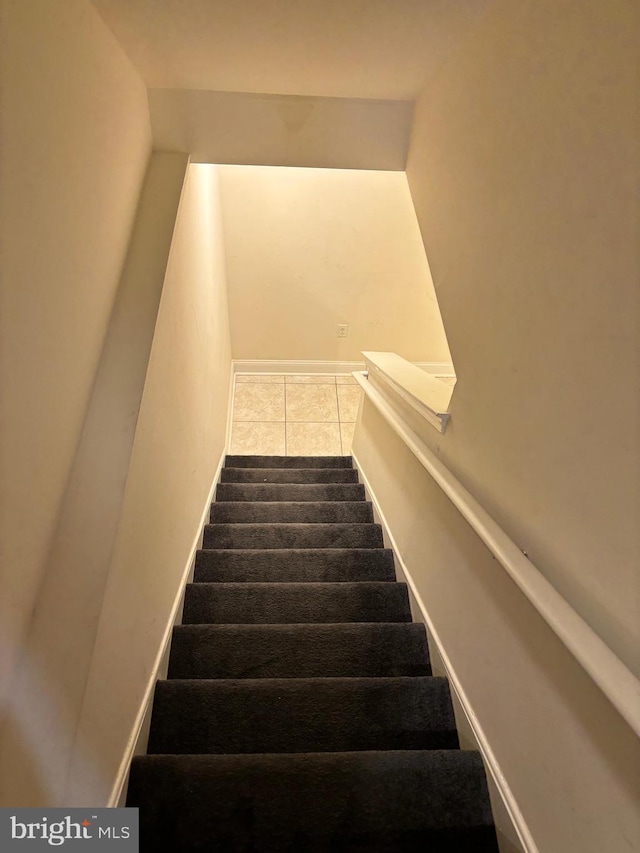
(310, 248)
(57, 650)
(76, 141)
(279, 130)
(524, 170)
(180, 437)
(569, 760)
(331, 49)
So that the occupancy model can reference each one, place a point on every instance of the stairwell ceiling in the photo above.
(382, 49)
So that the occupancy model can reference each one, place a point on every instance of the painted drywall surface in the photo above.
(270, 130)
(524, 172)
(570, 760)
(76, 141)
(180, 437)
(308, 249)
(57, 650)
(333, 49)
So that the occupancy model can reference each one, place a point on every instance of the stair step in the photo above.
(289, 475)
(305, 512)
(364, 650)
(300, 712)
(288, 462)
(280, 603)
(290, 492)
(362, 802)
(253, 536)
(298, 565)
(301, 715)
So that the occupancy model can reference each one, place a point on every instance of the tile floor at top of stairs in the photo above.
(294, 414)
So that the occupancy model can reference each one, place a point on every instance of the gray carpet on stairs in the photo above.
(305, 512)
(290, 492)
(295, 564)
(286, 475)
(282, 603)
(301, 715)
(288, 462)
(299, 712)
(363, 802)
(281, 535)
(299, 651)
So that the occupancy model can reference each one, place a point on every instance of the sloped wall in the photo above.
(75, 145)
(524, 170)
(566, 762)
(180, 437)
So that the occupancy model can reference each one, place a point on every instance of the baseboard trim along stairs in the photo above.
(300, 712)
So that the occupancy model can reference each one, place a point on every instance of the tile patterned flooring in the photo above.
(295, 415)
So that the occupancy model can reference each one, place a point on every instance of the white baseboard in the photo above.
(513, 832)
(137, 743)
(438, 368)
(260, 366)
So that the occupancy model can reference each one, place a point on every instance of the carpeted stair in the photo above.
(299, 712)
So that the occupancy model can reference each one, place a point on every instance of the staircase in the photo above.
(300, 713)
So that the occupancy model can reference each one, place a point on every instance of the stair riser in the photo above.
(314, 715)
(288, 462)
(283, 475)
(299, 651)
(278, 603)
(279, 536)
(406, 801)
(291, 513)
(290, 492)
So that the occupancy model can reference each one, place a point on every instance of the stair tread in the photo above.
(280, 603)
(301, 715)
(288, 461)
(299, 650)
(295, 564)
(405, 801)
(292, 535)
(289, 475)
(289, 491)
(291, 525)
(242, 512)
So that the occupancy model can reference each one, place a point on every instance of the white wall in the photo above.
(331, 49)
(180, 437)
(58, 647)
(76, 141)
(310, 248)
(279, 130)
(569, 760)
(524, 171)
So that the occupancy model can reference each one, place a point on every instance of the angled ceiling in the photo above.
(383, 49)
